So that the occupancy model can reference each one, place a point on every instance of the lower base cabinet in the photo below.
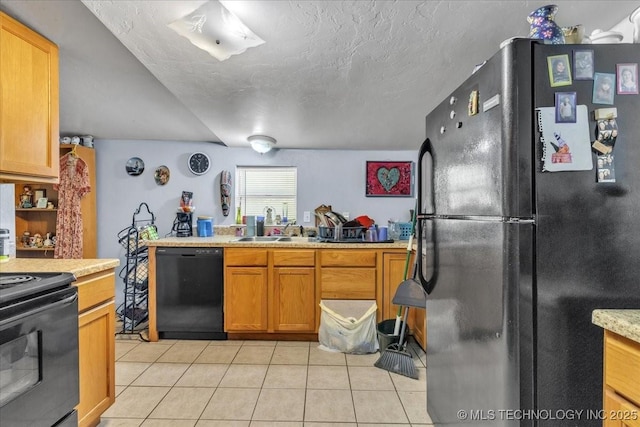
(269, 290)
(294, 299)
(621, 379)
(393, 265)
(419, 328)
(620, 412)
(245, 299)
(96, 323)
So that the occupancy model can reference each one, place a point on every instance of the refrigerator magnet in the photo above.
(605, 168)
(606, 134)
(605, 113)
(559, 70)
(490, 103)
(603, 88)
(566, 107)
(473, 103)
(627, 78)
(583, 64)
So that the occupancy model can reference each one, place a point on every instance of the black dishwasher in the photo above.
(189, 293)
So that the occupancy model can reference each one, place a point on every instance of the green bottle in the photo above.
(239, 214)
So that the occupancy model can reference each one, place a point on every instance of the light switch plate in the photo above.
(307, 216)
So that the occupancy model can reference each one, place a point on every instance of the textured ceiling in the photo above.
(332, 74)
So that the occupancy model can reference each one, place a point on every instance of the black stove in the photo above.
(19, 286)
(39, 355)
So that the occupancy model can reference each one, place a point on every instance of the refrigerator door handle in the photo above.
(427, 284)
(425, 149)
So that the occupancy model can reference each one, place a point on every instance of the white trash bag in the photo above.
(348, 326)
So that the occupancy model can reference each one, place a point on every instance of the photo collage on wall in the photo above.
(564, 70)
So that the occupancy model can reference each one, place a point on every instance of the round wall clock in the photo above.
(199, 163)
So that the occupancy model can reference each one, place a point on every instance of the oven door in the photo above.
(39, 359)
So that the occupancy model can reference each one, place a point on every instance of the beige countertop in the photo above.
(79, 267)
(625, 322)
(296, 242)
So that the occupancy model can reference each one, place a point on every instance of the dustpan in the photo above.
(410, 293)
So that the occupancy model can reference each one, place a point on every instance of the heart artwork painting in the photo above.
(389, 179)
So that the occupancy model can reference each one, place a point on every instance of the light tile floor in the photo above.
(259, 383)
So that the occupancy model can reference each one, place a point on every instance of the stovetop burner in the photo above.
(13, 280)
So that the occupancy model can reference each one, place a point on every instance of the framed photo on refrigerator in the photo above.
(559, 70)
(627, 78)
(583, 64)
(604, 87)
(566, 107)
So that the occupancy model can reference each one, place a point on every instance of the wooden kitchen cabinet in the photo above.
(393, 271)
(419, 326)
(621, 379)
(347, 274)
(269, 290)
(29, 106)
(245, 290)
(275, 292)
(393, 266)
(43, 221)
(246, 299)
(96, 337)
(294, 292)
(34, 220)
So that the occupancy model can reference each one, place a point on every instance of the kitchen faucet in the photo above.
(284, 230)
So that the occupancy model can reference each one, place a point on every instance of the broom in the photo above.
(396, 328)
(393, 359)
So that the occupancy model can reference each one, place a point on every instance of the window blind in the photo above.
(260, 187)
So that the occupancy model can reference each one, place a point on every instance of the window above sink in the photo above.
(258, 187)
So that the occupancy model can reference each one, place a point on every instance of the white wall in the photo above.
(331, 177)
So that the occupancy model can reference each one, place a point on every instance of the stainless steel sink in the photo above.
(264, 239)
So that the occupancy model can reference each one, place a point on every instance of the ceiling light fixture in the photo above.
(261, 143)
(215, 29)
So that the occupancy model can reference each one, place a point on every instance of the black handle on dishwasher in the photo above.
(189, 251)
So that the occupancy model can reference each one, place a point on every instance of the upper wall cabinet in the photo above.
(29, 109)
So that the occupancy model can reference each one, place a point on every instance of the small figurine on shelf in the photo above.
(38, 240)
(26, 198)
(25, 239)
(48, 243)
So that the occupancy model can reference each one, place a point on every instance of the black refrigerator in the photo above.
(514, 258)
